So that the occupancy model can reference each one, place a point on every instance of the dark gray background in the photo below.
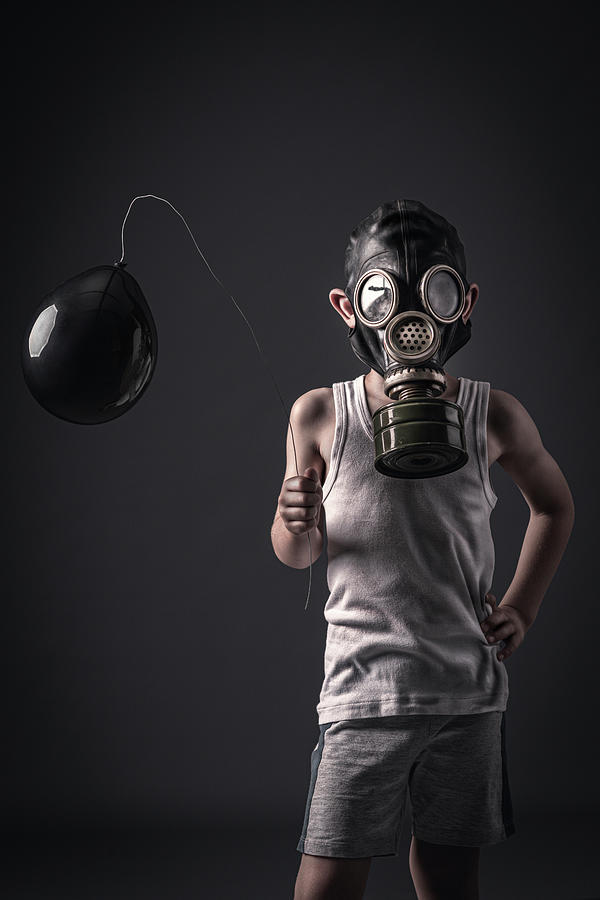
(158, 664)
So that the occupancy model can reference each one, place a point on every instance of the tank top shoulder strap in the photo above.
(349, 424)
(339, 437)
(474, 398)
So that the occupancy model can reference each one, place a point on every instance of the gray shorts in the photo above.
(453, 766)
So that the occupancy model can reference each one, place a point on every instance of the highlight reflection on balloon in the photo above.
(91, 347)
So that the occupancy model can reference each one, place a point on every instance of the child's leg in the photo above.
(444, 872)
(331, 878)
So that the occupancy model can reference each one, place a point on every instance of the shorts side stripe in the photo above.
(314, 766)
(507, 808)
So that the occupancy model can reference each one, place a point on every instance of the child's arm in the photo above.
(301, 497)
(552, 513)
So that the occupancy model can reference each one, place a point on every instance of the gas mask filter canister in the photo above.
(405, 268)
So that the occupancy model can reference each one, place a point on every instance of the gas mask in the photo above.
(405, 269)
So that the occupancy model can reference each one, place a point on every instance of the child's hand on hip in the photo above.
(505, 624)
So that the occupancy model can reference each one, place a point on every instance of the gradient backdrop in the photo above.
(158, 663)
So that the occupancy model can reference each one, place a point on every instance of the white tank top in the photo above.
(409, 563)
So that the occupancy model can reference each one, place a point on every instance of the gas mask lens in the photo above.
(443, 293)
(375, 298)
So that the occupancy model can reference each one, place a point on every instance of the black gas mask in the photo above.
(405, 269)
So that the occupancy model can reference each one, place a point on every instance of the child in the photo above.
(415, 687)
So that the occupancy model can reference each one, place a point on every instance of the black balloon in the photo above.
(90, 350)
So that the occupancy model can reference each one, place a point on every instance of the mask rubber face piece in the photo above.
(405, 270)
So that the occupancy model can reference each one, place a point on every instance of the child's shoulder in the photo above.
(513, 427)
(314, 406)
(524, 457)
(504, 409)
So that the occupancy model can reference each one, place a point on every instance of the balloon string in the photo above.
(218, 280)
